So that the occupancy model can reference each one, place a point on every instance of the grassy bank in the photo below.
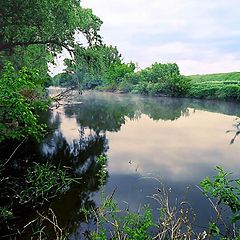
(165, 80)
(215, 86)
(222, 86)
(159, 80)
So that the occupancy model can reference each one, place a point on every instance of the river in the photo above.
(147, 141)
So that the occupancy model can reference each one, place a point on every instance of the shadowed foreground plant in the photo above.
(115, 223)
(223, 192)
(173, 222)
(43, 182)
(37, 227)
(5, 213)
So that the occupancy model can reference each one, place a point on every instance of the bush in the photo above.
(203, 90)
(140, 88)
(229, 92)
(176, 86)
(215, 90)
(125, 87)
(19, 100)
(225, 192)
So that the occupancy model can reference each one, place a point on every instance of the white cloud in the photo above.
(204, 34)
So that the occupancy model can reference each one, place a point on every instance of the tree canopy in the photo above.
(32, 33)
(52, 23)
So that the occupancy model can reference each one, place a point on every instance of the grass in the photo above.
(215, 86)
(5, 213)
(223, 86)
(43, 182)
(233, 77)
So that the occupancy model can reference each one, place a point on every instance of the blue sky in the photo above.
(201, 36)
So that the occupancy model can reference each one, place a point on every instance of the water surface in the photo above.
(177, 141)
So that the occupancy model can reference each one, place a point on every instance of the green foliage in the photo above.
(101, 160)
(90, 64)
(19, 101)
(159, 72)
(125, 87)
(159, 79)
(226, 191)
(154, 88)
(102, 170)
(215, 86)
(176, 86)
(43, 182)
(48, 22)
(116, 73)
(215, 90)
(32, 33)
(5, 213)
(115, 223)
(63, 80)
(137, 225)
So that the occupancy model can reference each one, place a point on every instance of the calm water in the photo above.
(177, 141)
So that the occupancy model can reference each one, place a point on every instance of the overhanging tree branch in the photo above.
(11, 45)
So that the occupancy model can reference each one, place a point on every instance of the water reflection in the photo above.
(76, 154)
(179, 141)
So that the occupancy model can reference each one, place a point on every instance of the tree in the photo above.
(117, 73)
(90, 64)
(31, 35)
(52, 23)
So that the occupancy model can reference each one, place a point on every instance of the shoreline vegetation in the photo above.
(175, 220)
(33, 34)
(159, 80)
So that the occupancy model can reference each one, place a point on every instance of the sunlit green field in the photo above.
(220, 85)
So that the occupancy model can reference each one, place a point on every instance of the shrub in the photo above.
(140, 88)
(203, 90)
(229, 92)
(154, 88)
(225, 192)
(125, 87)
(176, 86)
(115, 223)
(215, 89)
(19, 101)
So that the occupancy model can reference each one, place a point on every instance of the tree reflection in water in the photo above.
(95, 114)
(77, 157)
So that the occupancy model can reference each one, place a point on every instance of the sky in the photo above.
(201, 36)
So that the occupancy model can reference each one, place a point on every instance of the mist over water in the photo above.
(148, 142)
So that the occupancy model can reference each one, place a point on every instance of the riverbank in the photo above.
(223, 86)
(137, 136)
(159, 80)
(219, 86)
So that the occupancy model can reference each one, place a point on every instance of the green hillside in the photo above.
(228, 77)
(217, 86)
